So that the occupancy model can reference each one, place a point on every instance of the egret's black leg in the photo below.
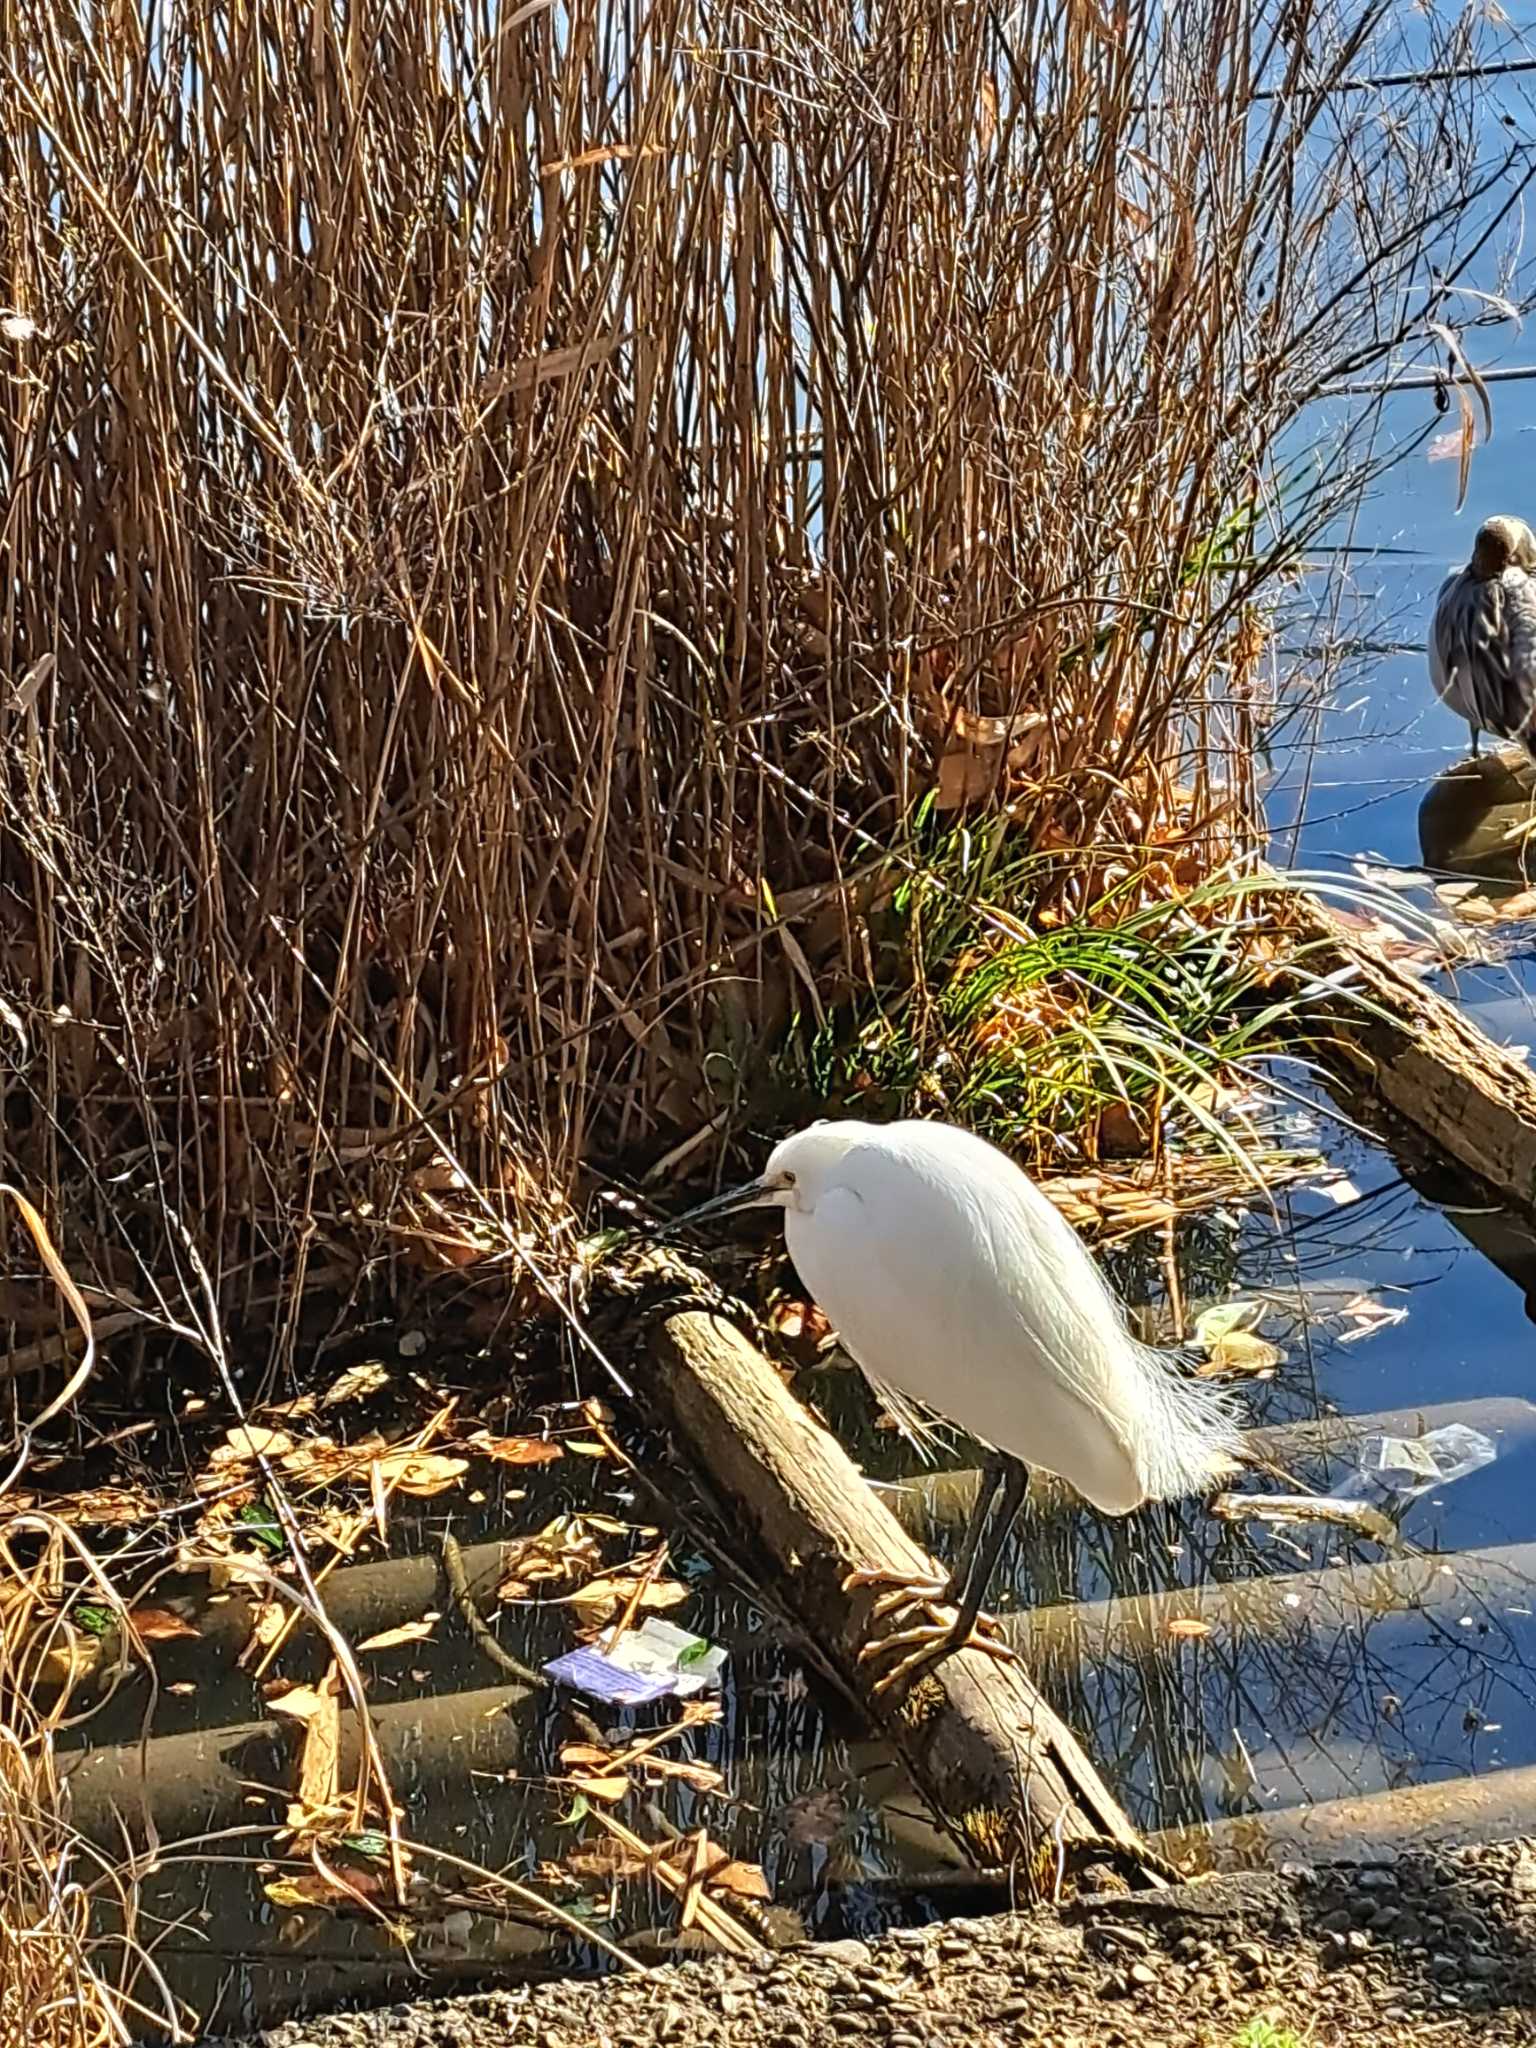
(931, 1640)
(978, 1560)
(989, 1482)
(1476, 737)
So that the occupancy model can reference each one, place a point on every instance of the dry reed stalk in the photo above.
(496, 507)
(73, 1972)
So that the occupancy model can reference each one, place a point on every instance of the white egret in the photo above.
(951, 1278)
(1482, 643)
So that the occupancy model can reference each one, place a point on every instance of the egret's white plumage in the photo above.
(948, 1275)
(1482, 642)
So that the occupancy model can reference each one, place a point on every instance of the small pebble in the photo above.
(847, 1952)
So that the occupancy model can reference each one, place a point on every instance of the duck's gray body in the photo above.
(1482, 643)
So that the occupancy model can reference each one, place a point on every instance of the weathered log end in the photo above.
(1004, 1775)
(1403, 1048)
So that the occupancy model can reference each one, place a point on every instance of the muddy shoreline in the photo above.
(1432, 1946)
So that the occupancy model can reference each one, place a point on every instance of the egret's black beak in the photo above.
(748, 1196)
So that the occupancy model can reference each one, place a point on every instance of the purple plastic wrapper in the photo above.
(589, 1671)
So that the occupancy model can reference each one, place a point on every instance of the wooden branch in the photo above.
(1410, 1050)
(1006, 1778)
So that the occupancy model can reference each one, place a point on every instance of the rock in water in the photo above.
(1474, 819)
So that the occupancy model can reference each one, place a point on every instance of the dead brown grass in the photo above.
(73, 1972)
(505, 513)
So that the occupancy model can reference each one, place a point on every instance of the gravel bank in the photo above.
(1434, 1948)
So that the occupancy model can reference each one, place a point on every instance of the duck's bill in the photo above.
(750, 1195)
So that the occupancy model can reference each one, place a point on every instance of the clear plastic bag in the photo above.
(1410, 1465)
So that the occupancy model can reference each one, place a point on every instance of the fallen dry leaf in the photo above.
(320, 1762)
(104, 1507)
(1240, 1352)
(356, 1383)
(407, 1632)
(702, 1777)
(563, 1551)
(516, 1450)
(72, 1659)
(723, 1873)
(243, 1445)
(299, 1702)
(159, 1625)
(594, 1771)
(304, 1888)
(601, 1598)
(609, 1786)
(1220, 1320)
(422, 1473)
(310, 1888)
(605, 1860)
(269, 1618)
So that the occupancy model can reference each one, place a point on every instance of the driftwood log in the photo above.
(1004, 1775)
(1405, 1048)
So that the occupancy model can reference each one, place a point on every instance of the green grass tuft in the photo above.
(1262, 2032)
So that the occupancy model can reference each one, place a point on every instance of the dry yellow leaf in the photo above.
(422, 1473)
(320, 1763)
(300, 1702)
(1239, 1351)
(602, 1598)
(268, 1620)
(722, 1872)
(564, 1549)
(241, 1445)
(407, 1632)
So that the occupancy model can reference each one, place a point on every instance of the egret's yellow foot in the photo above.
(929, 1638)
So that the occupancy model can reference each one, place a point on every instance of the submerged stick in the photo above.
(1005, 1776)
(1358, 1517)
